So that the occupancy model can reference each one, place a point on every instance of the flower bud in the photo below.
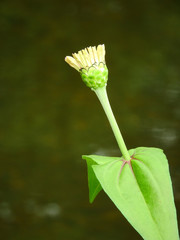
(90, 62)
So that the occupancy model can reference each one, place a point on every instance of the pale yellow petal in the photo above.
(72, 62)
(83, 62)
(101, 53)
(91, 55)
(78, 59)
(87, 57)
(95, 55)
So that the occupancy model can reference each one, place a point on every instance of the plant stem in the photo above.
(103, 98)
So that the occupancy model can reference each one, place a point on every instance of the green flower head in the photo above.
(90, 62)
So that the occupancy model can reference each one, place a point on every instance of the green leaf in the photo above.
(142, 190)
(93, 183)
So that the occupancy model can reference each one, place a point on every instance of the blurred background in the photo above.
(49, 118)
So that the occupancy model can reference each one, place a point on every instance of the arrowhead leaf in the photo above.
(141, 189)
(93, 183)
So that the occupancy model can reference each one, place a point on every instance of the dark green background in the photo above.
(49, 118)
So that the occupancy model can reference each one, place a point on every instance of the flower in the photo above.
(90, 62)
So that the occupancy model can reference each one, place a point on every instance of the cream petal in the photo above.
(95, 55)
(86, 56)
(72, 62)
(91, 55)
(78, 59)
(101, 53)
(83, 61)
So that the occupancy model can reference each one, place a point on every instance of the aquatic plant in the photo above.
(139, 182)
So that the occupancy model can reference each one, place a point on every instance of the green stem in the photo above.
(103, 98)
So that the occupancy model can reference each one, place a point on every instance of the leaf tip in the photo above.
(84, 157)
